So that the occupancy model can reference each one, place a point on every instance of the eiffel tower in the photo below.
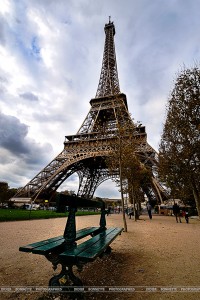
(84, 152)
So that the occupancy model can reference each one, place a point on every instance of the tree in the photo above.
(179, 150)
(132, 173)
(3, 191)
(114, 162)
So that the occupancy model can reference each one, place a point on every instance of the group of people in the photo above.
(180, 213)
(130, 212)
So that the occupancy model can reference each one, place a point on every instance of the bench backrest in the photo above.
(73, 202)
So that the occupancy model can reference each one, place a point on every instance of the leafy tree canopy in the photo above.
(179, 151)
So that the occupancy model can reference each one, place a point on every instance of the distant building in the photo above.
(111, 201)
(18, 202)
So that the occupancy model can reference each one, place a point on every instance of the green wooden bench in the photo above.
(65, 250)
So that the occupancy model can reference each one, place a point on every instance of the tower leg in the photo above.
(89, 180)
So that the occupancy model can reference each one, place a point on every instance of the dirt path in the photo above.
(157, 253)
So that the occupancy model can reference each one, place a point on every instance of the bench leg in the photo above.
(76, 281)
(106, 252)
(65, 278)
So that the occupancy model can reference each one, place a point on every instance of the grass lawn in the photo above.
(21, 214)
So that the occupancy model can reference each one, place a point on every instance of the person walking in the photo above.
(109, 211)
(185, 214)
(149, 208)
(176, 212)
(131, 212)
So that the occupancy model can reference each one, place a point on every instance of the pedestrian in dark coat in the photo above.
(149, 208)
(176, 212)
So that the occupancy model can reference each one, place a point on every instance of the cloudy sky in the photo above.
(50, 61)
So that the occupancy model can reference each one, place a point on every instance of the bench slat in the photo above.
(98, 247)
(46, 246)
(90, 249)
(76, 251)
(30, 247)
(85, 232)
(52, 246)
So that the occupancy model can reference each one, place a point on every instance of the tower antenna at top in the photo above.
(109, 81)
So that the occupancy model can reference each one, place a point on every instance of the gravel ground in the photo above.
(157, 253)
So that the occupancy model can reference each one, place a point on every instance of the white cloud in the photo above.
(108, 189)
(5, 7)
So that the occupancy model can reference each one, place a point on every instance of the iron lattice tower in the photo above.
(85, 152)
(109, 82)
